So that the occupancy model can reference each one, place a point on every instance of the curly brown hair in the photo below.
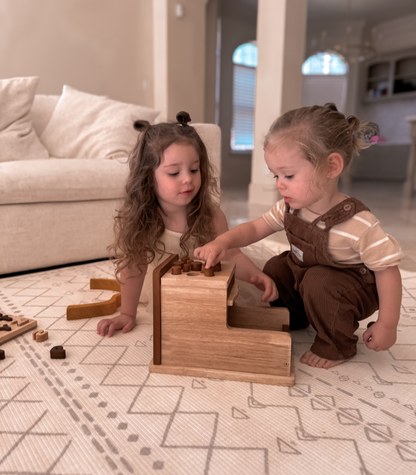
(138, 225)
(320, 131)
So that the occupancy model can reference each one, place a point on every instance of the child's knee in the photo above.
(319, 280)
(276, 266)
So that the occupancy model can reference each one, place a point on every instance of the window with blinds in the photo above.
(325, 79)
(243, 108)
(244, 84)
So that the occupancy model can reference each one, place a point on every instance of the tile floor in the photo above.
(396, 214)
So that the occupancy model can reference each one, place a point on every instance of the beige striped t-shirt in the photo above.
(357, 240)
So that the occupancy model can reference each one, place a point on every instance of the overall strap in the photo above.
(341, 212)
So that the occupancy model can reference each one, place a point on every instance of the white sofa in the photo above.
(55, 211)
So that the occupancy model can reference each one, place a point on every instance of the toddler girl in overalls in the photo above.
(341, 266)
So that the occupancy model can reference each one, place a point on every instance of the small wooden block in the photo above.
(176, 270)
(40, 335)
(2, 355)
(209, 272)
(17, 326)
(58, 353)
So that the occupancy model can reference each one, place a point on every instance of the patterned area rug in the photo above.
(100, 411)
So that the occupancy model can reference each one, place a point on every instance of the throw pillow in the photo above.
(88, 126)
(18, 140)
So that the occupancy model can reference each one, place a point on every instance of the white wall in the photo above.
(98, 46)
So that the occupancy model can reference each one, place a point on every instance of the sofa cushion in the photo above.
(18, 140)
(35, 181)
(88, 126)
(42, 110)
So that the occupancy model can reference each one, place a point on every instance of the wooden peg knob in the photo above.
(196, 265)
(186, 267)
(209, 272)
(176, 270)
(217, 267)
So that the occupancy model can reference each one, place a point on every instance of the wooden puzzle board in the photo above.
(18, 325)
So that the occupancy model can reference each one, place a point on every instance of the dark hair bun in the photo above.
(140, 125)
(331, 106)
(183, 118)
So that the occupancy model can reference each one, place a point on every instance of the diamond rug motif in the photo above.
(100, 411)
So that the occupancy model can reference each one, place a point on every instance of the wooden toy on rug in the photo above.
(198, 331)
(97, 309)
(2, 354)
(40, 335)
(58, 353)
(11, 326)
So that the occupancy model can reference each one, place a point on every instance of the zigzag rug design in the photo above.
(100, 411)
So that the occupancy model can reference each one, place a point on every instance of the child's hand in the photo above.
(122, 322)
(379, 337)
(211, 253)
(267, 285)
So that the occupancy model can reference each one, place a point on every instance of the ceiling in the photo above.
(370, 11)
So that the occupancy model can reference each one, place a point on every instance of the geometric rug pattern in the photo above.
(100, 411)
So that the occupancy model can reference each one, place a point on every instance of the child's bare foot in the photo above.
(316, 361)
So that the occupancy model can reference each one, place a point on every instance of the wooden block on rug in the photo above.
(12, 326)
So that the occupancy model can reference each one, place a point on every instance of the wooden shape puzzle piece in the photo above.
(5, 318)
(14, 327)
(40, 335)
(58, 353)
(97, 309)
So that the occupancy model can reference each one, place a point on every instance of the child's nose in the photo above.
(187, 177)
(279, 184)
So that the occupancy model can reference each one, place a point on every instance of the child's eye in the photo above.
(173, 174)
(285, 176)
(195, 171)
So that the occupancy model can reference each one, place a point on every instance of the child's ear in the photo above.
(335, 165)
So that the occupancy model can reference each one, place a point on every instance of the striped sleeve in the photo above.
(377, 249)
(275, 217)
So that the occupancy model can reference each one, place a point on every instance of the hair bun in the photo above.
(353, 122)
(140, 125)
(331, 106)
(183, 118)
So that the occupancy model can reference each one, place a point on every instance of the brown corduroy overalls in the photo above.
(332, 297)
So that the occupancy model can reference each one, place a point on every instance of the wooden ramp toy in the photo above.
(97, 309)
(11, 326)
(198, 331)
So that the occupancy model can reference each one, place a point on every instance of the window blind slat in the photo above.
(243, 108)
